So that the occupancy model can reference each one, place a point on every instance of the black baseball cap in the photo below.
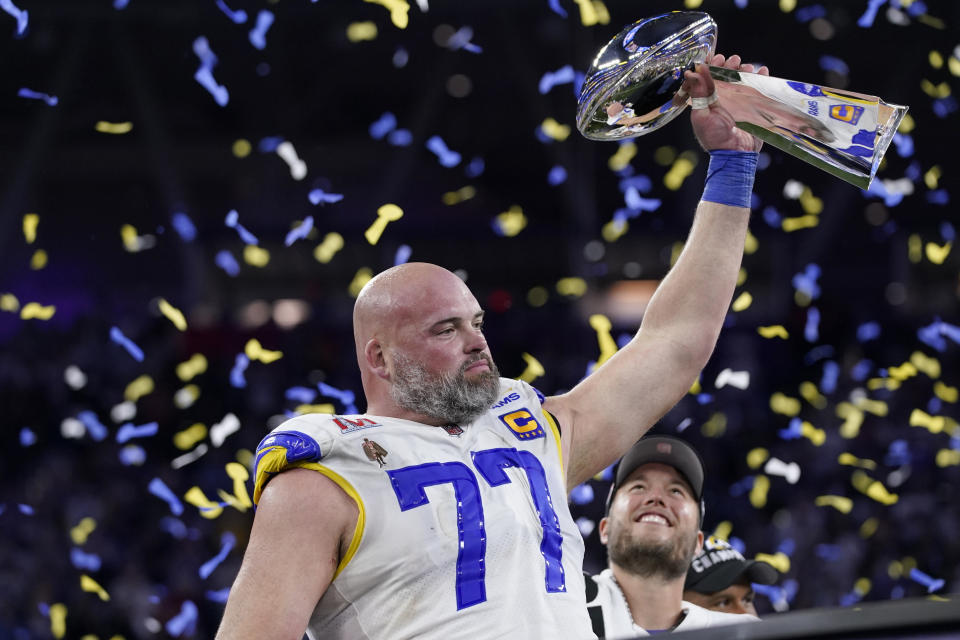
(666, 450)
(718, 565)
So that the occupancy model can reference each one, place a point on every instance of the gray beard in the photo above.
(668, 560)
(449, 398)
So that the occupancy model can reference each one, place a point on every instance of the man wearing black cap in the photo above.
(652, 532)
(719, 578)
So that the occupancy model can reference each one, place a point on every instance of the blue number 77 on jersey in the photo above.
(409, 484)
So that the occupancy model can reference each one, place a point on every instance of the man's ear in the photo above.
(699, 542)
(602, 529)
(376, 360)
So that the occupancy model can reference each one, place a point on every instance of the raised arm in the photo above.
(608, 411)
(301, 528)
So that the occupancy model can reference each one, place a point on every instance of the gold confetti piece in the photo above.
(512, 221)
(941, 90)
(802, 222)
(190, 436)
(757, 457)
(773, 331)
(239, 474)
(934, 424)
(115, 128)
(680, 171)
(954, 65)
(82, 530)
(810, 393)
(360, 31)
(332, 242)
(574, 287)
(907, 125)
(191, 368)
(801, 298)
(245, 457)
(461, 194)
(788, 5)
(533, 369)
(811, 433)
(723, 530)
(851, 460)
(915, 248)
(173, 314)
(30, 222)
(904, 371)
(623, 156)
(593, 12)
(840, 503)
(38, 260)
(811, 204)
(692, 4)
(715, 426)
(35, 310)
(9, 302)
(784, 404)
(385, 214)
(925, 364)
(612, 230)
(675, 252)
(873, 489)
(186, 396)
(779, 560)
(936, 59)
(255, 351)
(232, 501)
(876, 407)
(554, 130)
(909, 563)
(90, 585)
(758, 494)
(937, 254)
(862, 586)
(241, 148)
(869, 527)
(665, 156)
(608, 346)
(58, 620)
(399, 11)
(140, 387)
(931, 177)
(948, 458)
(743, 301)
(538, 296)
(255, 256)
(89, 636)
(853, 419)
(131, 241)
(360, 278)
(883, 383)
(741, 276)
(895, 569)
(208, 509)
(945, 392)
(314, 408)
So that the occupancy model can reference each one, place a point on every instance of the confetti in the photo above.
(299, 232)
(625, 153)
(809, 392)
(318, 196)
(934, 424)
(461, 40)
(592, 12)
(298, 168)
(58, 619)
(937, 253)
(9, 302)
(840, 503)
(227, 262)
(945, 392)
(332, 243)
(873, 489)
(784, 405)
(30, 222)
(511, 222)
(758, 494)
(399, 11)
(159, 489)
(573, 287)
(682, 167)
(51, 101)
(553, 130)
(184, 226)
(227, 541)
(345, 396)
(191, 456)
(92, 424)
(185, 622)
(239, 474)
(870, 14)
(204, 73)
(81, 560)
(551, 79)
(232, 221)
(219, 432)
(90, 585)
(774, 331)
(190, 436)
(360, 278)
(37, 311)
(385, 214)
(172, 314)
(82, 530)
(446, 157)
(237, 17)
(138, 388)
(756, 457)
(258, 35)
(129, 431)
(932, 584)
(737, 379)
(189, 369)
(743, 302)
(383, 125)
(27, 437)
(114, 128)
(853, 419)
(602, 325)
(811, 331)
(532, 370)
(557, 176)
(402, 255)
(208, 508)
(789, 471)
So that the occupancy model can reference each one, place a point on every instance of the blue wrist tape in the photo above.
(730, 177)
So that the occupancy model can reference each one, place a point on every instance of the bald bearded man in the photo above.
(441, 512)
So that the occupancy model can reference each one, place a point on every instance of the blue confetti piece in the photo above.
(400, 57)
(635, 202)
(932, 584)
(120, 5)
(346, 397)
(25, 509)
(541, 135)
(811, 332)
(258, 35)
(868, 331)
(461, 40)
(317, 196)
(36, 95)
(475, 168)
(299, 232)
(904, 144)
(861, 370)
(220, 595)
(776, 595)
(916, 8)
(446, 157)
(806, 282)
(794, 431)
(818, 353)
(19, 15)
(228, 263)
(704, 398)
(740, 4)
(806, 14)
(383, 125)
(897, 592)
(940, 196)
(873, 6)
(237, 17)
(582, 494)
(943, 107)
(831, 371)
(400, 138)
(204, 73)
(763, 160)
(44, 609)
(934, 405)
(174, 527)
(741, 486)
(303, 395)
(183, 225)
(158, 488)
(787, 546)
(828, 552)
(117, 336)
(236, 374)
(947, 232)
(81, 560)
(556, 8)
(232, 222)
(227, 540)
(898, 454)
(551, 79)
(94, 427)
(185, 622)
(832, 63)
(737, 544)
(132, 455)
(557, 176)
(402, 255)
(269, 144)
(639, 182)
(913, 171)
(878, 189)
(129, 431)
(27, 437)
(772, 217)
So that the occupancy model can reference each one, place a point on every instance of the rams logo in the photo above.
(846, 113)
(522, 424)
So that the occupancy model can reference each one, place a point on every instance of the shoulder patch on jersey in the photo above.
(347, 425)
(277, 452)
(522, 424)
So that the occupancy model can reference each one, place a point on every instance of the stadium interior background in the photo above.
(131, 175)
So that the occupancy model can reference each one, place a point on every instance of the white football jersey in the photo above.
(462, 532)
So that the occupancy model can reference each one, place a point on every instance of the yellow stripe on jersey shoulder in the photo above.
(555, 430)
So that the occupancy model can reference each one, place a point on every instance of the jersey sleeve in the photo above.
(295, 443)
